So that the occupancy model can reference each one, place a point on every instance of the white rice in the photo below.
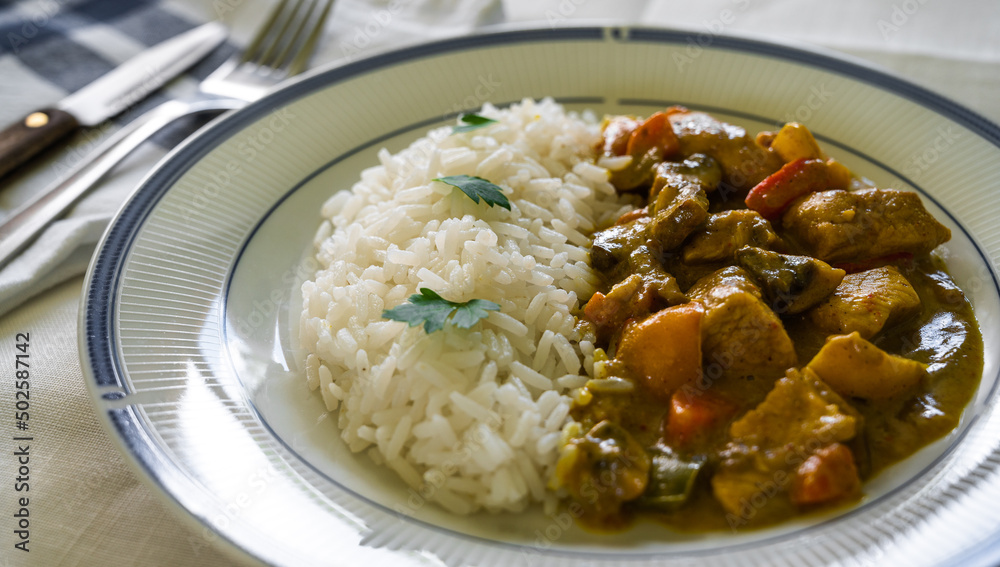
(471, 417)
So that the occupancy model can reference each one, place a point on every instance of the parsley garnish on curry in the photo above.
(773, 331)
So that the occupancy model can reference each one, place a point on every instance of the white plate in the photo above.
(187, 329)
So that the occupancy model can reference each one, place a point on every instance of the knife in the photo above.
(107, 96)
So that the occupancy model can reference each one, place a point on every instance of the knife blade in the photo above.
(107, 96)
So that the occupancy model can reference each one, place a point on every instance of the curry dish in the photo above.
(773, 331)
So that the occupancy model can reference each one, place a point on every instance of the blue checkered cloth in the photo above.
(41, 41)
(51, 48)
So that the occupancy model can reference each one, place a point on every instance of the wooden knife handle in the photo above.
(34, 133)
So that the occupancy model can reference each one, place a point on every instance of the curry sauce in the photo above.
(772, 332)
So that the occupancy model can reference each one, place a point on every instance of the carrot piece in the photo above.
(776, 192)
(664, 349)
(655, 132)
(826, 476)
(597, 309)
(632, 215)
(693, 413)
(616, 134)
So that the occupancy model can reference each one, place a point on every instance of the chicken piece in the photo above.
(673, 223)
(798, 411)
(798, 418)
(614, 244)
(643, 261)
(697, 169)
(855, 367)
(731, 276)
(628, 299)
(792, 284)
(867, 302)
(744, 163)
(740, 333)
(723, 233)
(848, 226)
(647, 289)
(680, 204)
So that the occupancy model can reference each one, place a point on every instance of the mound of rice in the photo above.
(469, 417)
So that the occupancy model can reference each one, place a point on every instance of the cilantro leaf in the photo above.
(433, 311)
(471, 122)
(476, 188)
(469, 313)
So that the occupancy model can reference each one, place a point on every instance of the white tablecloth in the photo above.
(87, 507)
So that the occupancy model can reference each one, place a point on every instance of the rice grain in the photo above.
(471, 417)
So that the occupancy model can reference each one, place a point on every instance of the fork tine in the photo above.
(302, 58)
(279, 42)
(278, 61)
(251, 51)
(281, 36)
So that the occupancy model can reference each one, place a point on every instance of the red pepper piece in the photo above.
(776, 192)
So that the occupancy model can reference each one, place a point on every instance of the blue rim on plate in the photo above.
(102, 363)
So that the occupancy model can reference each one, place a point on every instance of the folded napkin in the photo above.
(90, 38)
(952, 48)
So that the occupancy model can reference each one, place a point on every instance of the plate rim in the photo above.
(97, 333)
(961, 431)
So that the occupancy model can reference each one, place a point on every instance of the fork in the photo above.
(280, 49)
